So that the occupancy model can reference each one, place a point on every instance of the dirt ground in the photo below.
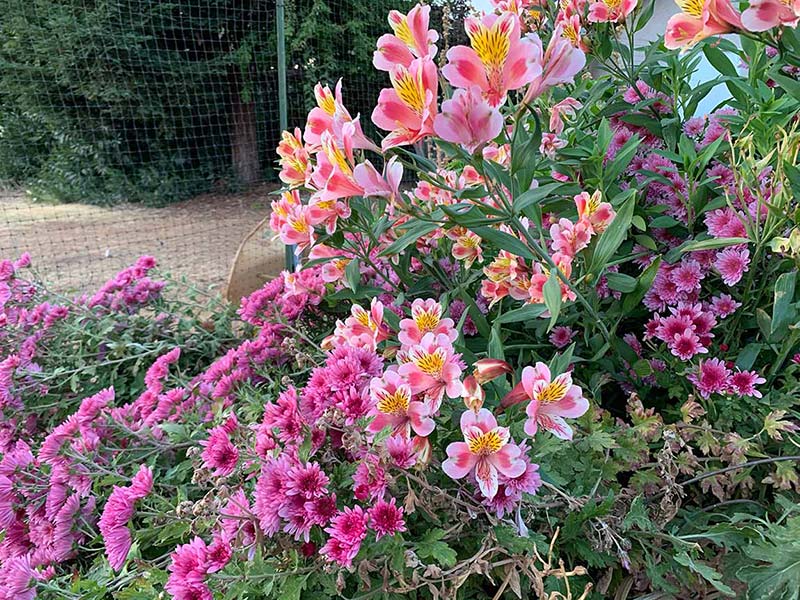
(76, 248)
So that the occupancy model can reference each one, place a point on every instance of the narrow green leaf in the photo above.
(411, 235)
(782, 309)
(614, 235)
(504, 241)
(524, 313)
(552, 297)
(621, 282)
(709, 244)
(643, 284)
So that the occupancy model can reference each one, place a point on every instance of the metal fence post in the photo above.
(283, 115)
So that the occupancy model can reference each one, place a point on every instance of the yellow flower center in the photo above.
(299, 225)
(364, 319)
(570, 33)
(487, 443)
(492, 45)
(403, 32)
(612, 4)
(427, 321)
(693, 8)
(430, 364)
(409, 89)
(394, 404)
(326, 102)
(469, 241)
(336, 156)
(553, 392)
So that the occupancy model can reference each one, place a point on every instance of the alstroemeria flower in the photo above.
(566, 108)
(411, 39)
(362, 329)
(551, 400)
(561, 62)
(698, 20)
(766, 14)
(498, 61)
(294, 159)
(570, 238)
(593, 210)
(610, 11)
(333, 176)
(486, 450)
(386, 185)
(433, 368)
(570, 26)
(467, 119)
(281, 209)
(395, 408)
(426, 317)
(298, 228)
(331, 116)
(333, 269)
(408, 108)
(467, 246)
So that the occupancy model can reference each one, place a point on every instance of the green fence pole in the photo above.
(283, 115)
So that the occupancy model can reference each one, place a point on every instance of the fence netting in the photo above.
(149, 126)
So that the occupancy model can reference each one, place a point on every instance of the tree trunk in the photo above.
(244, 136)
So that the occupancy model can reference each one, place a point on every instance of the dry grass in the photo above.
(77, 247)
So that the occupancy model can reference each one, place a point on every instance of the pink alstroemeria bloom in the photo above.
(333, 270)
(468, 119)
(565, 108)
(294, 159)
(408, 108)
(593, 210)
(610, 11)
(698, 20)
(331, 116)
(551, 401)
(298, 229)
(561, 62)
(433, 368)
(486, 449)
(467, 247)
(426, 317)
(281, 209)
(395, 408)
(333, 176)
(498, 60)
(766, 14)
(386, 185)
(411, 39)
(570, 238)
(362, 329)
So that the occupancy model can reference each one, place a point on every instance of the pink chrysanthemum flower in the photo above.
(744, 383)
(487, 450)
(118, 511)
(732, 264)
(219, 454)
(725, 222)
(695, 126)
(307, 481)
(687, 276)
(321, 510)
(188, 569)
(561, 336)
(551, 399)
(686, 344)
(386, 518)
(347, 530)
(369, 480)
(724, 305)
(712, 377)
(401, 451)
(19, 578)
(284, 417)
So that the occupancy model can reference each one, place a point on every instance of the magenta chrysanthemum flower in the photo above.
(219, 455)
(686, 344)
(724, 305)
(386, 518)
(687, 276)
(732, 264)
(118, 511)
(712, 377)
(695, 126)
(401, 451)
(561, 336)
(19, 578)
(307, 481)
(744, 383)
(347, 530)
(284, 416)
(321, 510)
(369, 480)
(188, 569)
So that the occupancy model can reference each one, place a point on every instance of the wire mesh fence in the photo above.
(149, 126)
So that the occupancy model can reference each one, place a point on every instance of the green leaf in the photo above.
(719, 60)
(352, 274)
(495, 345)
(415, 231)
(614, 235)
(534, 196)
(524, 313)
(706, 572)
(782, 309)
(643, 284)
(621, 282)
(747, 357)
(621, 161)
(504, 241)
(292, 588)
(776, 576)
(431, 547)
(552, 297)
(709, 244)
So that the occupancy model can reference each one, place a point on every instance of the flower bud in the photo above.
(515, 396)
(473, 394)
(424, 451)
(487, 369)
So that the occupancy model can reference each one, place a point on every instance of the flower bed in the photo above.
(562, 363)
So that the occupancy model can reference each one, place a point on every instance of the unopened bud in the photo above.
(473, 394)
(487, 369)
